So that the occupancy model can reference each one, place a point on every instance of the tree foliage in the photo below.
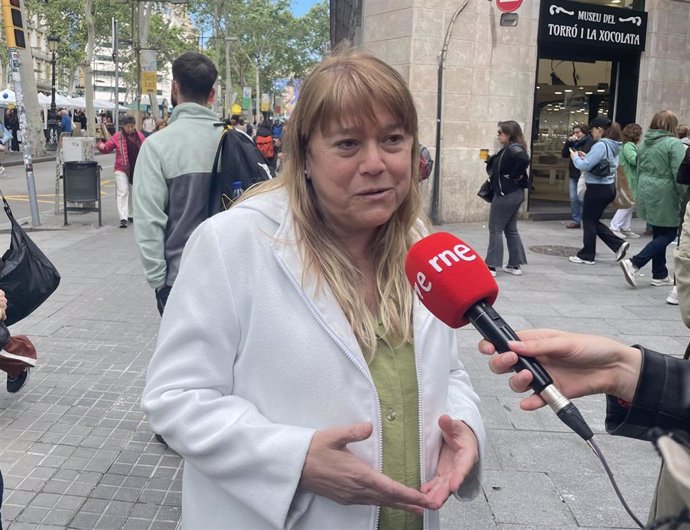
(269, 38)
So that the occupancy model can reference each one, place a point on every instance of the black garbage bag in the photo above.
(26, 275)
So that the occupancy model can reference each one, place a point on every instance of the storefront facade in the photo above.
(564, 63)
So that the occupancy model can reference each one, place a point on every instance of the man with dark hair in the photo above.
(580, 140)
(172, 177)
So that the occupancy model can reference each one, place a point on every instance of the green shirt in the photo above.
(395, 376)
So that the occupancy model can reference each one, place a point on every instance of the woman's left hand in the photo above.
(459, 454)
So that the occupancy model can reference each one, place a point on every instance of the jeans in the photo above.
(503, 219)
(655, 251)
(597, 198)
(575, 201)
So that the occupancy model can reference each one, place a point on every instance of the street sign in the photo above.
(508, 6)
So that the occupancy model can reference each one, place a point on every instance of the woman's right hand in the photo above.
(579, 364)
(332, 471)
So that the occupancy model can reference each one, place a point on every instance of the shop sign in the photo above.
(508, 6)
(580, 24)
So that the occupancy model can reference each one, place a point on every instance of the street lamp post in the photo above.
(53, 41)
(228, 78)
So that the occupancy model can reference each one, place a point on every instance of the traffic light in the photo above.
(14, 25)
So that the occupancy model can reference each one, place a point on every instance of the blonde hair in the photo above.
(348, 86)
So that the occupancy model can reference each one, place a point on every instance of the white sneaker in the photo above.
(630, 234)
(672, 297)
(618, 233)
(630, 272)
(575, 259)
(515, 271)
(622, 250)
(662, 281)
(492, 270)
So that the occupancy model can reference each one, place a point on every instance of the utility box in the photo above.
(78, 148)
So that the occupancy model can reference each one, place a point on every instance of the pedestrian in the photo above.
(507, 171)
(646, 393)
(126, 143)
(621, 224)
(148, 125)
(12, 123)
(172, 178)
(293, 363)
(65, 122)
(5, 140)
(160, 124)
(599, 167)
(580, 140)
(80, 118)
(659, 197)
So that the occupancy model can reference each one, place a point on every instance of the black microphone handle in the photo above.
(494, 329)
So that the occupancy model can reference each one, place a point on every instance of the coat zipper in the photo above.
(500, 158)
(346, 351)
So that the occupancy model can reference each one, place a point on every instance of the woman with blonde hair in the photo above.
(659, 197)
(293, 362)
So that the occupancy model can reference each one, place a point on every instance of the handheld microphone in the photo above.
(455, 284)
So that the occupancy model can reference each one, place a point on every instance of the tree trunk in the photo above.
(34, 123)
(259, 116)
(88, 73)
(144, 27)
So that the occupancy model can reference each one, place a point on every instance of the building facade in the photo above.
(563, 63)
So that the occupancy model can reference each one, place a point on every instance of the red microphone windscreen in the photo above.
(449, 277)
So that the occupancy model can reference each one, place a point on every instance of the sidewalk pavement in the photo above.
(77, 452)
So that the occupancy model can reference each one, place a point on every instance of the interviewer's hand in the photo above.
(579, 364)
(332, 471)
(459, 454)
(3, 305)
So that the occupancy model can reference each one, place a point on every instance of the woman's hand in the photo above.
(3, 305)
(332, 471)
(580, 365)
(459, 454)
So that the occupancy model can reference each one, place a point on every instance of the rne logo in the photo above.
(448, 258)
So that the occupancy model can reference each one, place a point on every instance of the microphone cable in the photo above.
(595, 448)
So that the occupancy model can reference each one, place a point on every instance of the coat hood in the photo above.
(652, 136)
(613, 145)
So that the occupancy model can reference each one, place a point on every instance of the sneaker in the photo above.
(630, 234)
(622, 250)
(660, 282)
(630, 272)
(618, 233)
(123, 223)
(573, 225)
(130, 220)
(672, 297)
(575, 259)
(15, 384)
(515, 271)
(492, 270)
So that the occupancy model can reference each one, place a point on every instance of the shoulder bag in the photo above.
(603, 167)
(27, 276)
(486, 192)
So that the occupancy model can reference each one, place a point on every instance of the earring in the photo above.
(306, 175)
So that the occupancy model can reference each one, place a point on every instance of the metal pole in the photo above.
(26, 139)
(228, 78)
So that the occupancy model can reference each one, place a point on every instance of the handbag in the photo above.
(486, 192)
(603, 167)
(581, 186)
(26, 275)
(623, 199)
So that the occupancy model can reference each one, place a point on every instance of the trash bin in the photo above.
(82, 184)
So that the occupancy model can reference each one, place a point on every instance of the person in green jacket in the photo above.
(621, 224)
(658, 196)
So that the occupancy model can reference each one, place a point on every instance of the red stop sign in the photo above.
(508, 6)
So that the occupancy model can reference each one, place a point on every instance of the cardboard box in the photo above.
(78, 149)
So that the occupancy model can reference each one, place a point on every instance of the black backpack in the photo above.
(237, 158)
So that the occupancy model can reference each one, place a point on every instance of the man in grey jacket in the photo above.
(172, 177)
